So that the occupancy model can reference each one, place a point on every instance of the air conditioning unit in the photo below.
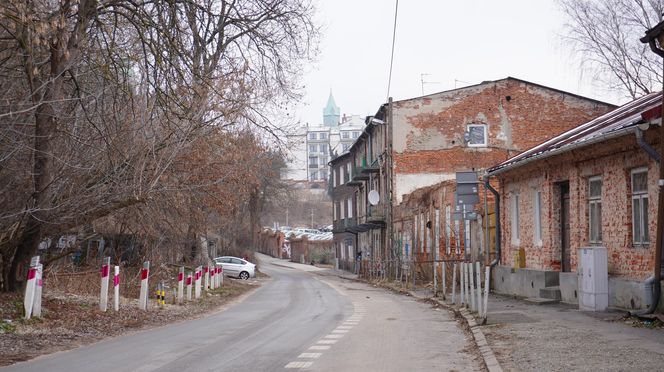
(593, 279)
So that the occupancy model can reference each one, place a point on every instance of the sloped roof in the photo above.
(615, 122)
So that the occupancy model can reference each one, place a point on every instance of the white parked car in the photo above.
(236, 267)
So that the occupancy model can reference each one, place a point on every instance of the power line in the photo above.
(394, 34)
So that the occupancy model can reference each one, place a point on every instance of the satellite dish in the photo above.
(374, 198)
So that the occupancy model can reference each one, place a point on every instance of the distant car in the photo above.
(236, 267)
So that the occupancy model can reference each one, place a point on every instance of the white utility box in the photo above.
(593, 279)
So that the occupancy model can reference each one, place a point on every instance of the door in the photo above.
(564, 227)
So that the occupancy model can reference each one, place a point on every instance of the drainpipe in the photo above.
(646, 146)
(651, 282)
(496, 261)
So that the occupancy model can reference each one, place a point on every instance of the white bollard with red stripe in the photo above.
(181, 285)
(197, 283)
(189, 279)
(206, 285)
(39, 283)
(105, 272)
(143, 297)
(213, 278)
(116, 288)
(29, 299)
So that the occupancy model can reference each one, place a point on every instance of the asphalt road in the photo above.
(299, 320)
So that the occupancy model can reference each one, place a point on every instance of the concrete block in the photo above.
(627, 294)
(502, 279)
(530, 281)
(569, 287)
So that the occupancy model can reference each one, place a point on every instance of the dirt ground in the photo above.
(72, 320)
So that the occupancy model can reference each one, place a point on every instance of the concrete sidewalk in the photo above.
(528, 337)
(559, 337)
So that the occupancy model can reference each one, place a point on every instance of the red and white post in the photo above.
(197, 283)
(39, 283)
(213, 278)
(29, 299)
(189, 279)
(143, 297)
(181, 285)
(221, 275)
(206, 285)
(105, 272)
(116, 288)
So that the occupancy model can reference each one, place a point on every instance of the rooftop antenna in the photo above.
(459, 81)
(426, 82)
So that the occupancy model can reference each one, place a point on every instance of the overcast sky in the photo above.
(470, 41)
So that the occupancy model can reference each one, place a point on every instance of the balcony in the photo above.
(376, 214)
(358, 175)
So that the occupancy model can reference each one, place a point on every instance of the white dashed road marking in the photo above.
(331, 339)
(298, 365)
(319, 347)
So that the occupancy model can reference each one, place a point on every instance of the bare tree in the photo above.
(107, 95)
(606, 33)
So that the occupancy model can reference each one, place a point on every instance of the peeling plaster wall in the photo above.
(428, 132)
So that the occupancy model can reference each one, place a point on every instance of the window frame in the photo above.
(312, 135)
(485, 135)
(644, 238)
(515, 227)
(537, 211)
(594, 201)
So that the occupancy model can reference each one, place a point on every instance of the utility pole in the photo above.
(312, 218)
(287, 217)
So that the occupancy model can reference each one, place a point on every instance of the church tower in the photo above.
(331, 113)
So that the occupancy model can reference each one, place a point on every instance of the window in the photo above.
(640, 231)
(312, 148)
(422, 232)
(515, 218)
(312, 136)
(476, 135)
(334, 211)
(350, 207)
(323, 148)
(313, 176)
(341, 209)
(323, 175)
(323, 160)
(537, 209)
(334, 176)
(323, 136)
(595, 209)
(345, 146)
(345, 135)
(356, 134)
(313, 162)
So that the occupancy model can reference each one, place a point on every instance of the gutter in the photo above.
(651, 282)
(544, 155)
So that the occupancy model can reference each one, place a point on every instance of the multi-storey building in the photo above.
(422, 142)
(313, 145)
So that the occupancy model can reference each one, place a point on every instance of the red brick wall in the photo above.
(428, 132)
(613, 160)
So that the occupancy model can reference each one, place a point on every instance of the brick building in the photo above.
(421, 142)
(594, 185)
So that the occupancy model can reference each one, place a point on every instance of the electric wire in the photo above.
(394, 34)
